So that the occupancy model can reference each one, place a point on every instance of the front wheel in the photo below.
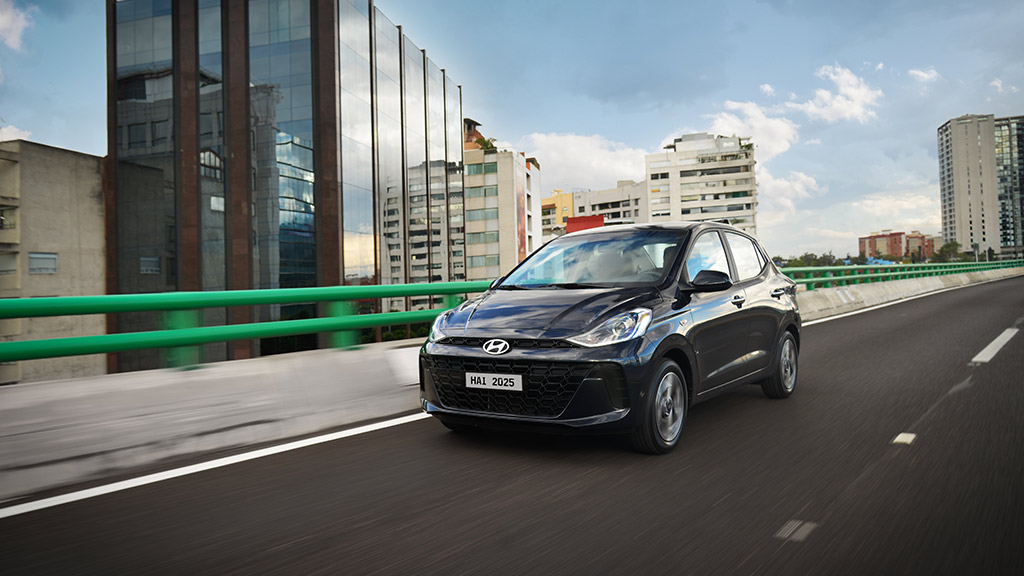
(662, 411)
(783, 379)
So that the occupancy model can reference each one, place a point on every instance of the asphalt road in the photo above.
(808, 485)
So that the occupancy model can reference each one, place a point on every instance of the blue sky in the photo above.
(842, 99)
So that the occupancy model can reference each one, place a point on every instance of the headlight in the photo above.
(621, 328)
(435, 330)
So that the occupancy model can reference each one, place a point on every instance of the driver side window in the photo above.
(707, 254)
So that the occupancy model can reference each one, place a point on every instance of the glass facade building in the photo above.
(275, 144)
(1009, 145)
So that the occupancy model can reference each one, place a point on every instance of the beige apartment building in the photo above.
(51, 244)
(627, 203)
(502, 210)
(968, 187)
(701, 177)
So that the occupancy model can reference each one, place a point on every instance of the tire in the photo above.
(662, 411)
(782, 382)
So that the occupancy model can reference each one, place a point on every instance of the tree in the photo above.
(949, 252)
(486, 144)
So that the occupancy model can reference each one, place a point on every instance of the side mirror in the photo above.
(711, 281)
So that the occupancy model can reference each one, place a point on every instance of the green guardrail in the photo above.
(182, 317)
(828, 276)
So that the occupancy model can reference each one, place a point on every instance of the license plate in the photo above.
(494, 381)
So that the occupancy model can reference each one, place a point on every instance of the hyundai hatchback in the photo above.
(619, 329)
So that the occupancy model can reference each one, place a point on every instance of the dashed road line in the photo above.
(990, 351)
(795, 530)
(904, 438)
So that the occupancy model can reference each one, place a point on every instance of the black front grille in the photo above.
(515, 343)
(547, 386)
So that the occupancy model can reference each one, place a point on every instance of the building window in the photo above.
(136, 135)
(481, 237)
(472, 169)
(490, 167)
(161, 131)
(149, 265)
(481, 191)
(8, 218)
(485, 214)
(211, 165)
(8, 263)
(479, 261)
(42, 263)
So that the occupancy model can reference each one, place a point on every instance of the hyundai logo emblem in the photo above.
(496, 346)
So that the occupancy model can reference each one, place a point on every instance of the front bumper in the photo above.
(564, 387)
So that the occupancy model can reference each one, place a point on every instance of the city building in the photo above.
(627, 203)
(275, 144)
(968, 187)
(898, 245)
(502, 207)
(702, 177)
(884, 243)
(51, 244)
(1009, 150)
(921, 247)
(556, 211)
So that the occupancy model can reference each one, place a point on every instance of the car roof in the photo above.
(676, 225)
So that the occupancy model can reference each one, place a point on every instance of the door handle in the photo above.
(778, 292)
(738, 300)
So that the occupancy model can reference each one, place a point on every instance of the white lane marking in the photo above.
(795, 530)
(895, 302)
(787, 529)
(994, 347)
(904, 438)
(803, 531)
(202, 467)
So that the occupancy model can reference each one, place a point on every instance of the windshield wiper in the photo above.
(569, 285)
(512, 287)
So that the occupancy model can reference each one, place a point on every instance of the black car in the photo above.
(617, 329)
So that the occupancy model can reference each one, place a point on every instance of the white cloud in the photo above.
(768, 89)
(813, 142)
(779, 195)
(581, 161)
(880, 67)
(12, 133)
(13, 22)
(929, 75)
(771, 136)
(1000, 88)
(853, 99)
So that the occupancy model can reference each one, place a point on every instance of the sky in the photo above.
(841, 99)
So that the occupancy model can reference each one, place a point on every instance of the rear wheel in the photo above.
(662, 410)
(782, 382)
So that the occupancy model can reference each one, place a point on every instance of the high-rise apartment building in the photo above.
(702, 177)
(275, 144)
(968, 187)
(1009, 150)
(502, 207)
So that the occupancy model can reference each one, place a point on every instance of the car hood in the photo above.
(542, 313)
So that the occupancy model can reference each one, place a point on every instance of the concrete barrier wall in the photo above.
(60, 432)
(824, 302)
(63, 432)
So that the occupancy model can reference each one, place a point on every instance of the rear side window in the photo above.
(748, 259)
(707, 254)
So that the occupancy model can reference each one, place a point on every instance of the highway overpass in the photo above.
(900, 453)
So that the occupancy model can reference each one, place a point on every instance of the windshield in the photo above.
(629, 258)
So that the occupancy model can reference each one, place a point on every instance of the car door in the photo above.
(718, 336)
(764, 312)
